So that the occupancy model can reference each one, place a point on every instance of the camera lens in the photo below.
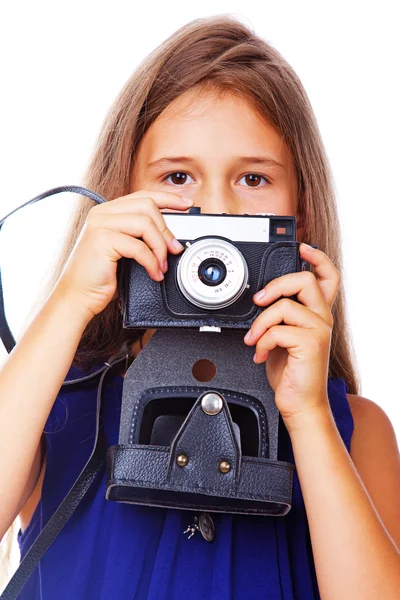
(212, 271)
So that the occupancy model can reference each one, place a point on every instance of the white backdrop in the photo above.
(63, 64)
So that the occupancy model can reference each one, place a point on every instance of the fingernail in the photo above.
(160, 275)
(259, 295)
(187, 200)
(247, 337)
(177, 245)
(165, 265)
(308, 247)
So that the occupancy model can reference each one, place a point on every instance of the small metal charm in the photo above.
(192, 528)
(205, 525)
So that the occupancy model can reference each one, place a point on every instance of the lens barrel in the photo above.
(212, 273)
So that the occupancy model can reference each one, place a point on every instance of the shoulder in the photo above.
(375, 453)
(372, 428)
(368, 415)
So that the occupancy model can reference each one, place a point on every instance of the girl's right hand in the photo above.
(111, 230)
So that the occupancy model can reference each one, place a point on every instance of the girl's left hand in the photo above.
(297, 354)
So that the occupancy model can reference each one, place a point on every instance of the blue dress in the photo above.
(115, 551)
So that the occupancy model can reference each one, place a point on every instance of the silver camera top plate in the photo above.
(238, 228)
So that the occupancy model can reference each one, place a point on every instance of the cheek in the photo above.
(287, 198)
(281, 200)
(137, 170)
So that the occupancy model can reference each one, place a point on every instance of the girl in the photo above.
(214, 117)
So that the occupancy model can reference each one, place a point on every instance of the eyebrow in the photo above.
(240, 160)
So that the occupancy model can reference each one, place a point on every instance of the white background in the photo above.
(64, 63)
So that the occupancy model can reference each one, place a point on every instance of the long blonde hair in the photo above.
(218, 54)
(223, 55)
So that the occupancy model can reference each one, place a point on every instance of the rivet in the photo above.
(182, 460)
(224, 466)
(211, 403)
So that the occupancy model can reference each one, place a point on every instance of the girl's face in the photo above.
(221, 154)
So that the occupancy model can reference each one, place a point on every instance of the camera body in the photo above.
(209, 286)
(226, 260)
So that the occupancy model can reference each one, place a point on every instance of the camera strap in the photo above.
(97, 457)
(78, 490)
(5, 332)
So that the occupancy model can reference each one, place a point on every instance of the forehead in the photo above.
(226, 119)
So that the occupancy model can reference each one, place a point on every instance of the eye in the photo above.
(179, 177)
(254, 178)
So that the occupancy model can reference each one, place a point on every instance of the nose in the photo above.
(216, 198)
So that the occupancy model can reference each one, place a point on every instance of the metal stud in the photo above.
(182, 460)
(211, 403)
(224, 466)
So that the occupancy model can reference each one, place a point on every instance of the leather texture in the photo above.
(149, 474)
(206, 440)
(148, 303)
(176, 392)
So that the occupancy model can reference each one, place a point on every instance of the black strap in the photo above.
(96, 459)
(5, 333)
(71, 500)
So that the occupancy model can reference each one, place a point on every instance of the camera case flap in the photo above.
(199, 445)
(146, 303)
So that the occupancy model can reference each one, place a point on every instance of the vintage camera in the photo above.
(170, 448)
(210, 285)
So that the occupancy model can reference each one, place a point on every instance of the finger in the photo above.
(286, 311)
(327, 274)
(138, 226)
(151, 206)
(304, 286)
(124, 245)
(161, 199)
(298, 343)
